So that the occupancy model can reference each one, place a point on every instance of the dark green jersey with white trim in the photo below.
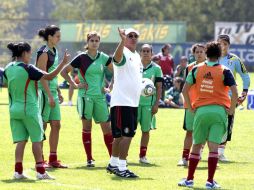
(91, 70)
(51, 65)
(153, 72)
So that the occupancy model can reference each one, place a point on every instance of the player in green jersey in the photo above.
(198, 50)
(25, 119)
(148, 106)
(50, 95)
(91, 65)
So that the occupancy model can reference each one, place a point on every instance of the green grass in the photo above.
(164, 152)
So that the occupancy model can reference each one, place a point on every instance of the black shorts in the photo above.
(184, 121)
(124, 121)
(230, 126)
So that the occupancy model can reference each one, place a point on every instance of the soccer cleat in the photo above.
(67, 103)
(213, 185)
(44, 176)
(144, 160)
(186, 183)
(19, 176)
(125, 174)
(90, 163)
(57, 164)
(183, 162)
(223, 158)
(111, 169)
(46, 165)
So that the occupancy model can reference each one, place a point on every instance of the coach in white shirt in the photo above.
(124, 100)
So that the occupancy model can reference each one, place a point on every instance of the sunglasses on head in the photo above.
(131, 36)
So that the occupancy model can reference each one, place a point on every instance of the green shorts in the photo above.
(93, 107)
(28, 126)
(210, 124)
(188, 120)
(48, 113)
(146, 119)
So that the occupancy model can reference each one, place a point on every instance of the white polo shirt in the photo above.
(127, 80)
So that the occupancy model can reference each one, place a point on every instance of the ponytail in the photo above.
(18, 48)
(49, 30)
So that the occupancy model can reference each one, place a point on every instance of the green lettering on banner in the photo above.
(164, 32)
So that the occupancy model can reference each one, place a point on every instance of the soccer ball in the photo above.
(147, 87)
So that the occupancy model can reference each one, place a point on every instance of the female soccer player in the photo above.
(198, 50)
(211, 106)
(25, 119)
(148, 106)
(91, 65)
(50, 95)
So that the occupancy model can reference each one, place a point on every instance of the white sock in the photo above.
(122, 165)
(114, 161)
(221, 150)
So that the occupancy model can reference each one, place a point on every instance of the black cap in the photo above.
(224, 37)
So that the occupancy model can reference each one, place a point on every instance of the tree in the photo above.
(12, 17)
(107, 10)
(70, 10)
(200, 15)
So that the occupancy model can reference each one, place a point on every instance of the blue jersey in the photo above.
(235, 64)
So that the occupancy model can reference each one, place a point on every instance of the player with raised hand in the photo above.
(49, 93)
(148, 106)
(211, 106)
(236, 65)
(198, 50)
(21, 79)
(125, 100)
(91, 66)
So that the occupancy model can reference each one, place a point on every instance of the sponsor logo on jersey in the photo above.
(208, 76)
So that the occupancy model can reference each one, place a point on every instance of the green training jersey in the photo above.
(91, 70)
(21, 80)
(51, 65)
(153, 72)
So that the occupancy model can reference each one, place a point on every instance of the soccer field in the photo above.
(164, 151)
